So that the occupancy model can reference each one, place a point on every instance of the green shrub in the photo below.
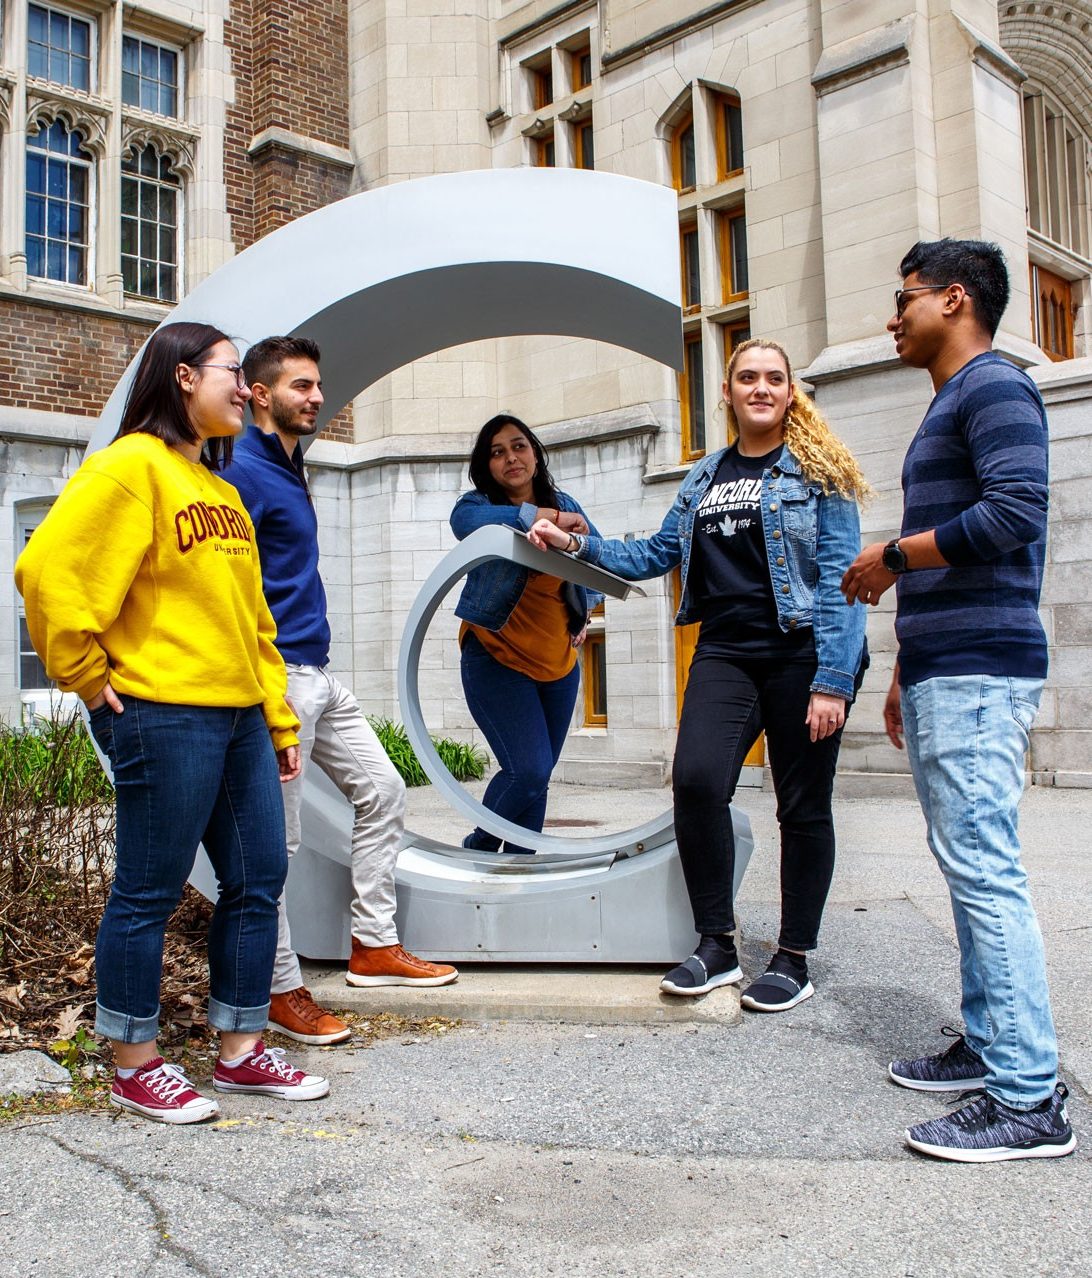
(56, 764)
(464, 762)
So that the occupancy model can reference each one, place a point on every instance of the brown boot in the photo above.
(296, 1014)
(392, 965)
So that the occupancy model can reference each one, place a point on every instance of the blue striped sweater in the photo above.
(976, 471)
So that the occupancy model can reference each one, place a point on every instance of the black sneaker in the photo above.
(780, 987)
(986, 1131)
(710, 965)
(956, 1070)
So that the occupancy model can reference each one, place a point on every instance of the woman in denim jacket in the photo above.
(763, 531)
(521, 629)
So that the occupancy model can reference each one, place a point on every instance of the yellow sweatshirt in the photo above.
(146, 571)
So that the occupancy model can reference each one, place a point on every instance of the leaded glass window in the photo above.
(149, 76)
(58, 47)
(150, 205)
(58, 205)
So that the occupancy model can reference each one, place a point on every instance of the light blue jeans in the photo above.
(966, 737)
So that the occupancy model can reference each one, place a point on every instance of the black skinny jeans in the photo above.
(728, 701)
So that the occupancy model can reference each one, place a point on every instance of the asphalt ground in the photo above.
(765, 1147)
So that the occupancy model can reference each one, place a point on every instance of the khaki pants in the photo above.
(335, 735)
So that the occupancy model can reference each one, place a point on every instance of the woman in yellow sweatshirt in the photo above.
(144, 596)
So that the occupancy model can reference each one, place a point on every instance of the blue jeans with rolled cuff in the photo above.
(966, 738)
(186, 775)
(525, 722)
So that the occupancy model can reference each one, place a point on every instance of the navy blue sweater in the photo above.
(976, 471)
(274, 491)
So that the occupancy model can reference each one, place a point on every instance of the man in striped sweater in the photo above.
(972, 660)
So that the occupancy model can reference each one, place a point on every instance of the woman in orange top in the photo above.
(521, 629)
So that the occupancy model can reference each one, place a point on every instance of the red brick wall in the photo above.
(63, 361)
(238, 173)
(301, 67)
(288, 184)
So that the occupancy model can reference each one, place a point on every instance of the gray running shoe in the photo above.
(957, 1069)
(709, 966)
(986, 1131)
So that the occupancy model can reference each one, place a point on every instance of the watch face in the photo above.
(893, 558)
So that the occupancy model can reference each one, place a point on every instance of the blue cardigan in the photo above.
(274, 491)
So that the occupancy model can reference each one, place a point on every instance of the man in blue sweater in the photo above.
(267, 469)
(972, 661)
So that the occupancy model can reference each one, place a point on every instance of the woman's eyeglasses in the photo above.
(237, 369)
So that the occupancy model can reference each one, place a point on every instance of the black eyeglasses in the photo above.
(237, 369)
(900, 294)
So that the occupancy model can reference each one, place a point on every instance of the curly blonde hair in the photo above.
(823, 458)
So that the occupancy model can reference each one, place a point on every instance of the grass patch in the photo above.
(464, 762)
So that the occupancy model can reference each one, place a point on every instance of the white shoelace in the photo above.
(166, 1081)
(273, 1060)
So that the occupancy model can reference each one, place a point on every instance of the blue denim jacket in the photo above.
(811, 539)
(493, 590)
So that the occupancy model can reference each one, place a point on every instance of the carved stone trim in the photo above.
(78, 111)
(991, 57)
(7, 88)
(864, 56)
(178, 144)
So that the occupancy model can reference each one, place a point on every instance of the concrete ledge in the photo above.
(568, 995)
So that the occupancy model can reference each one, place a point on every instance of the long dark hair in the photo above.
(542, 485)
(156, 404)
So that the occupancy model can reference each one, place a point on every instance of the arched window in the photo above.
(58, 205)
(150, 208)
(1056, 161)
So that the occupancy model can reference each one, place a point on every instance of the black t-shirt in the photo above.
(729, 573)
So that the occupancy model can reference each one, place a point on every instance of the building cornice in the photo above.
(672, 32)
(399, 450)
(279, 139)
(863, 56)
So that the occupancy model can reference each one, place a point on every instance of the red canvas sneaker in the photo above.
(162, 1092)
(267, 1073)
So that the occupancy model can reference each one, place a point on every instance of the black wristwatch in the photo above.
(894, 558)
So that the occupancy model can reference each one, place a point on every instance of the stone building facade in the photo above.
(810, 142)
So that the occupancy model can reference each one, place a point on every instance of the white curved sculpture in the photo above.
(379, 280)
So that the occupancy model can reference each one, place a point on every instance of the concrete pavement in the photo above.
(767, 1147)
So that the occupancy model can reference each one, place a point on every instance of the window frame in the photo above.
(544, 150)
(722, 139)
(91, 164)
(577, 54)
(29, 514)
(595, 650)
(692, 338)
(726, 221)
(689, 234)
(179, 226)
(129, 33)
(683, 125)
(539, 72)
(582, 129)
(90, 20)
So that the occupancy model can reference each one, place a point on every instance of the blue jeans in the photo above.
(186, 775)
(966, 737)
(525, 723)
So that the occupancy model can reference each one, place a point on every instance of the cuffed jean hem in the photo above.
(237, 1020)
(122, 1028)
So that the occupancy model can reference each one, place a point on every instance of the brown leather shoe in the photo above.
(296, 1014)
(392, 965)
